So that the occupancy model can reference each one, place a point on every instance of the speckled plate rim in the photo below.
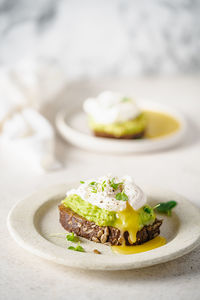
(99, 144)
(22, 227)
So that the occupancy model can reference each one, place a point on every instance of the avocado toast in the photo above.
(109, 210)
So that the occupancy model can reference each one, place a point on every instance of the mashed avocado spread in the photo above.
(130, 127)
(103, 217)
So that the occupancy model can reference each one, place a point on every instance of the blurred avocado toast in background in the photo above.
(115, 116)
(113, 211)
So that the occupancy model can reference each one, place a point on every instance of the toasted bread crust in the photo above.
(122, 137)
(109, 235)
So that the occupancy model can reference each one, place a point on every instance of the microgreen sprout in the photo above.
(122, 196)
(115, 185)
(165, 207)
(77, 248)
(72, 237)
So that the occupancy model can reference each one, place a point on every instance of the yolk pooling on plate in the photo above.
(150, 245)
(159, 124)
(129, 220)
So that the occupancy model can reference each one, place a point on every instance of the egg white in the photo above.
(106, 198)
(109, 108)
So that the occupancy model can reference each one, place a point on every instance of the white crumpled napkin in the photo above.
(25, 135)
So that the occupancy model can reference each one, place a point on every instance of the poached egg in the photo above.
(111, 193)
(109, 107)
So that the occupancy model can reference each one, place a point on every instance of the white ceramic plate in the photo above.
(73, 127)
(34, 221)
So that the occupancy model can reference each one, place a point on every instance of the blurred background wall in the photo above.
(104, 38)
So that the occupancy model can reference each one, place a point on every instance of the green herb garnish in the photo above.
(147, 209)
(71, 237)
(94, 191)
(94, 186)
(82, 181)
(103, 185)
(80, 248)
(115, 185)
(165, 207)
(77, 248)
(122, 196)
(93, 183)
(71, 248)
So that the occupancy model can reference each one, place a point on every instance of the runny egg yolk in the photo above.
(128, 220)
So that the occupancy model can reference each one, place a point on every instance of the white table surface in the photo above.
(25, 276)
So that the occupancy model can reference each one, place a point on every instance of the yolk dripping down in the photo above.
(128, 220)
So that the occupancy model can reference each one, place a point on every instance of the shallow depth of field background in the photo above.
(103, 38)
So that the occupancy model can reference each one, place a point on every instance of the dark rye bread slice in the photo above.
(123, 137)
(109, 235)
